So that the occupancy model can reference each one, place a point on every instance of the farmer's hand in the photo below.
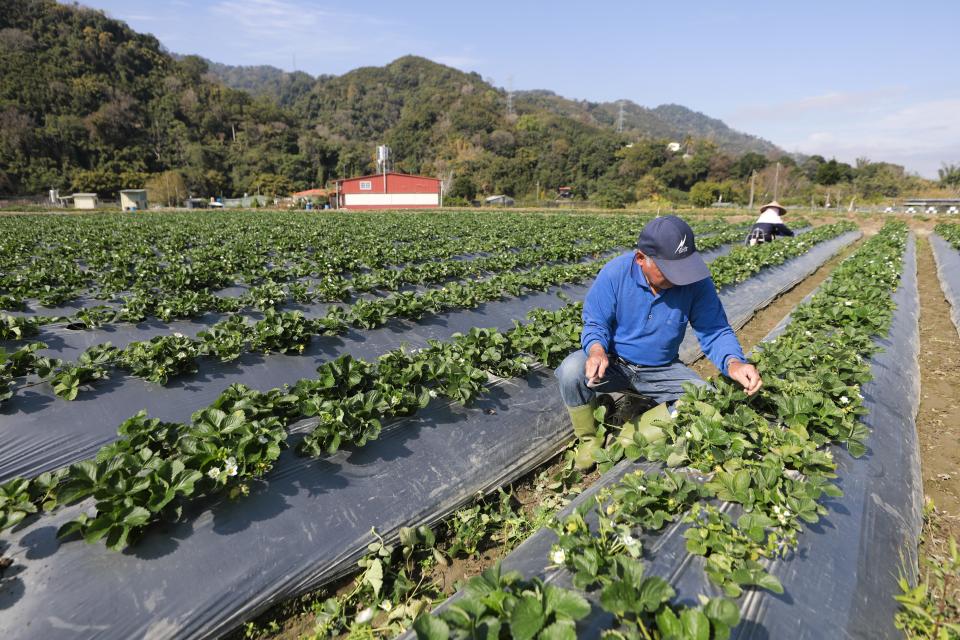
(597, 363)
(746, 374)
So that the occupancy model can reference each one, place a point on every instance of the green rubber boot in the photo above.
(585, 428)
(643, 424)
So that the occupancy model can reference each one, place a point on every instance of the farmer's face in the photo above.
(652, 272)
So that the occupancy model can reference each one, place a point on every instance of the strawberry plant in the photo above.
(268, 295)
(280, 332)
(17, 327)
(23, 362)
(69, 377)
(225, 340)
(498, 604)
(160, 358)
(949, 232)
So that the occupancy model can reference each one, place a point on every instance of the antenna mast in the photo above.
(620, 119)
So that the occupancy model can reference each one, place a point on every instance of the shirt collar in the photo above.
(638, 274)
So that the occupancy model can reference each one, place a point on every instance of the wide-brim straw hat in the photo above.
(774, 205)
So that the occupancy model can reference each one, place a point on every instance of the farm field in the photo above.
(291, 424)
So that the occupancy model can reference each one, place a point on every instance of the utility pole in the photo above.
(620, 119)
(776, 182)
(509, 95)
(753, 177)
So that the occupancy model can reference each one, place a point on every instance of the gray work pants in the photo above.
(660, 383)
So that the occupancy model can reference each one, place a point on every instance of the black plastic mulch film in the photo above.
(309, 520)
(841, 579)
(948, 270)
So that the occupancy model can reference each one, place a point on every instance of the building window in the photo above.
(366, 185)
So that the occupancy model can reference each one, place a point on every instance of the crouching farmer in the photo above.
(769, 226)
(634, 319)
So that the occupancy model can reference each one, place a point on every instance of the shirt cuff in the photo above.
(586, 347)
(727, 359)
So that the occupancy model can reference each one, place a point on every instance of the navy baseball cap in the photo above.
(669, 241)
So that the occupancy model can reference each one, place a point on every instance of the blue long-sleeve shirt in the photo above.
(622, 313)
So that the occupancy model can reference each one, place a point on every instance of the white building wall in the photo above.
(389, 199)
(84, 202)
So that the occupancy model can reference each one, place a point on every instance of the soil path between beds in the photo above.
(938, 422)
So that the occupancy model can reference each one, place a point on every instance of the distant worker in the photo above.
(634, 319)
(769, 226)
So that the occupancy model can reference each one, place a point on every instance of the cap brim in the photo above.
(685, 270)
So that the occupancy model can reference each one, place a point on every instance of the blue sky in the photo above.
(846, 78)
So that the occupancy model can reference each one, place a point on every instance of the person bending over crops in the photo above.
(769, 226)
(634, 319)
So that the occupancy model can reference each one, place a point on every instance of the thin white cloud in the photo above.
(291, 16)
(830, 101)
(278, 27)
(920, 136)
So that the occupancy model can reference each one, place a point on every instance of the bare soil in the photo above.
(938, 422)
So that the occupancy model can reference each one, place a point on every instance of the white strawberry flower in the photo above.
(687, 434)
(230, 467)
(558, 556)
(262, 439)
(844, 400)
(214, 473)
(628, 540)
(365, 616)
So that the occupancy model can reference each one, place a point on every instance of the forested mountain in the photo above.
(668, 121)
(262, 80)
(86, 103)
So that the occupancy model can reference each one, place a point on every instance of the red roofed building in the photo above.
(311, 193)
(389, 190)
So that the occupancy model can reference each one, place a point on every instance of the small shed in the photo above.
(133, 199)
(499, 201)
(84, 200)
